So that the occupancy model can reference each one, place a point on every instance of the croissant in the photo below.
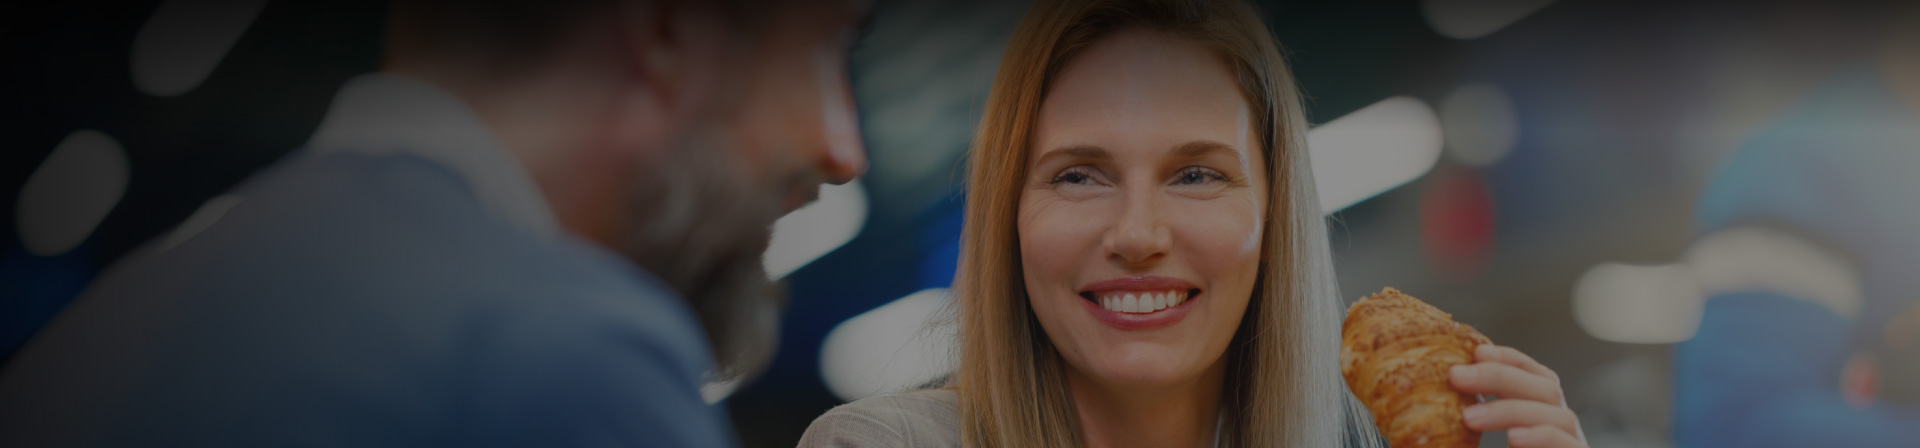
(1395, 354)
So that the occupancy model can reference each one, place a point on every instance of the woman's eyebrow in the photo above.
(1200, 148)
(1078, 152)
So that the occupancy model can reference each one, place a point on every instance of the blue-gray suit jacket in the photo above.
(359, 299)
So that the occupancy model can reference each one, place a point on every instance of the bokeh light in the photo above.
(71, 192)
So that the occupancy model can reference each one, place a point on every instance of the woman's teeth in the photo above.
(1138, 302)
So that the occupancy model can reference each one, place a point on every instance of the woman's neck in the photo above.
(1121, 416)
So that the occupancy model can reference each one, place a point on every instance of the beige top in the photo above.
(918, 419)
(931, 418)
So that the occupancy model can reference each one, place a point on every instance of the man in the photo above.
(539, 225)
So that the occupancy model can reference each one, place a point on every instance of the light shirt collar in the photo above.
(385, 113)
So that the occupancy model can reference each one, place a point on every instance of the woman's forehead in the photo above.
(1143, 91)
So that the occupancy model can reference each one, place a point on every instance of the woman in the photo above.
(1145, 263)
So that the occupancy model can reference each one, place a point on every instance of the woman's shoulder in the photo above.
(922, 418)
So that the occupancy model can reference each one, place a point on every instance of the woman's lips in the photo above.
(1140, 303)
(1142, 283)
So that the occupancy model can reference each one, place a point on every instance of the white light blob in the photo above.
(816, 229)
(71, 192)
(1373, 150)
(1663, 304)
(185, 39)
(896, 346)
(1480, 124)
(1631, 304)
(1472, 19)
(715, 391)
(202, 218)
(1760, 259)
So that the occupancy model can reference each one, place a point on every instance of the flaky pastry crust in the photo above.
(1395, 354)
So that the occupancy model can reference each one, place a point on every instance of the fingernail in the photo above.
(1517, 433)
(1462, 374)
(1486, 350)
(1474, 413)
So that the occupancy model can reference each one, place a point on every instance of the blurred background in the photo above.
(1701, 214)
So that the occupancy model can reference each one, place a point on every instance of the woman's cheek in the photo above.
(1062, 230)
(1231, 234)
(1053, 242)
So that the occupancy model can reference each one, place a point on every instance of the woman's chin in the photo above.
(1145, 366)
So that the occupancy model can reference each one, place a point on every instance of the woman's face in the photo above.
(1140, 220)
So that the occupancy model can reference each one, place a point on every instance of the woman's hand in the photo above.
(1531, 408)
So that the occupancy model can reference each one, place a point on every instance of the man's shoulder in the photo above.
(408, 230)
(382, 279)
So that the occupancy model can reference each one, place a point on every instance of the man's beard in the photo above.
(702, 224)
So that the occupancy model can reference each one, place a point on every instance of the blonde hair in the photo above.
(1283, 385)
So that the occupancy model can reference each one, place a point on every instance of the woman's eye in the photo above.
(1071, 177)
(1197, 176)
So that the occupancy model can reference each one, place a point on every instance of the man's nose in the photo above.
(846, 156)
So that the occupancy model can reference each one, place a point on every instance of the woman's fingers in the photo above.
(1542, 437)
(1505, 381)
(1532, 408)
(1507, 414)
(1513, 357)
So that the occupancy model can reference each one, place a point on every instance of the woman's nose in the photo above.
(1141, 236)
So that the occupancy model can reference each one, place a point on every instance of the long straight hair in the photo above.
(1283, 385)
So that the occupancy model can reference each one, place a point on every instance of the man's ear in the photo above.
(675, 52)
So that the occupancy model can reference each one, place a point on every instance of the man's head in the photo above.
(675, 132)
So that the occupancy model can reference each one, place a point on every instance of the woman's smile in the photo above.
(1148, 301)
(1139, 303)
